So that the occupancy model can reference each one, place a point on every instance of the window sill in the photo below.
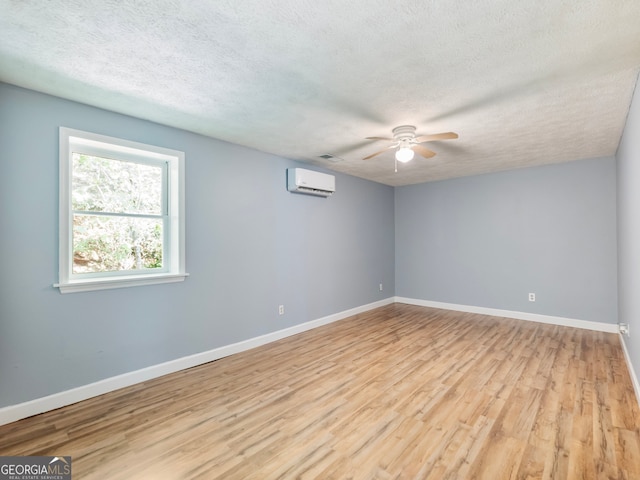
(120, 282)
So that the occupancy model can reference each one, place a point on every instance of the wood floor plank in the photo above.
(397, 392)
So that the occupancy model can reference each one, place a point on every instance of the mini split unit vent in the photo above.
(310, 182)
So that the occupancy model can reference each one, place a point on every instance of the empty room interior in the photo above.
(287, 239)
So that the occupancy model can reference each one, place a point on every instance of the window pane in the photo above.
(110, 244)
(106, 185)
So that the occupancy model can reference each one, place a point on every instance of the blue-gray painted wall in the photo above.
(251, 246)
(490, 240)
(628, 157)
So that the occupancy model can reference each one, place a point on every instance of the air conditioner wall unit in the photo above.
(310, 182)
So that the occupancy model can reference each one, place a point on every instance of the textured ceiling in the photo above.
(523, 83)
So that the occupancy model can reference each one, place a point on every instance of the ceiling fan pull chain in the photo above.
(396, 160)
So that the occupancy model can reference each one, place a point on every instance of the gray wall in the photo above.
(491, 239)
(481, 241)
(628, 157)
(251, 246)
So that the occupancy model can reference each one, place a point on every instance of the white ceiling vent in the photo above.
(331, 158)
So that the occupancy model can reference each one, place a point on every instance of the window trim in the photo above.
(174, 237)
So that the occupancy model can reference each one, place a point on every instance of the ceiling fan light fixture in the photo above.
(404, 154)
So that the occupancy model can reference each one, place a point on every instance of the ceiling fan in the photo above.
(406, 142)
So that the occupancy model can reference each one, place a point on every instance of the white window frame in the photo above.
(174, 234)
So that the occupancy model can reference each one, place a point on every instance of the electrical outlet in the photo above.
(624, 329)
(281, 310)
(380, 287)
(532, 297)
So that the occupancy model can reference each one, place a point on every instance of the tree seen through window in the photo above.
(117, 214)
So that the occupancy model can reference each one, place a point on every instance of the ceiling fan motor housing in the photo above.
(404, 133)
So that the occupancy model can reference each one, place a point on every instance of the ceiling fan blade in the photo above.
(424, 152)
(379, 138)
(437, 136)
(377, 153)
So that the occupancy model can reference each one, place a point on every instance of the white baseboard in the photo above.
(532, 317)
(51, 402)
(632, 372)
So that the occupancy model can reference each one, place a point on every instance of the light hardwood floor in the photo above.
(398, 392)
